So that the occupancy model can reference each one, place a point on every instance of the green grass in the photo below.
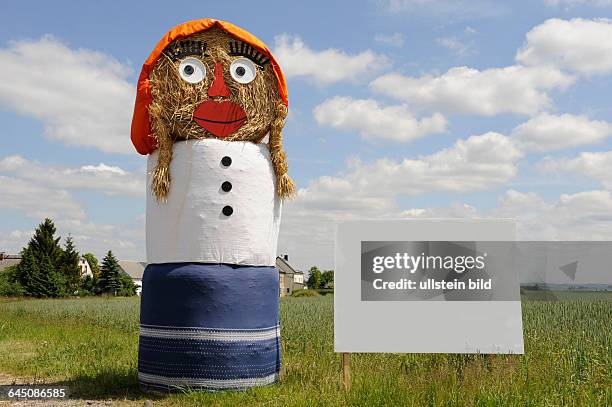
(544, 295)
(91, 345)
(305, 293)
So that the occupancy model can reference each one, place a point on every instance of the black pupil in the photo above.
(188, 69)
(240, 71)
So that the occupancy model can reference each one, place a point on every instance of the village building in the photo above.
(85, 267)
(134, 269)
(290, 279)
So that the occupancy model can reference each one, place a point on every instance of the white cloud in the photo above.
(461, 44)
(370, 191)
(524, 204)
(393, 40)
(455, 210)
(458, 46)
(476, 163)
(81, 96)
(578, 45)
(547, 132)
(514, 89)
(103, 168)
(126, 241)
(327, 66)
(373, 121)
(107, 179)
(582, 216)
(39, 191)
(12, 242)
(597, 165)
(38, 201)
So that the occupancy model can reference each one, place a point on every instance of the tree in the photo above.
(109, 281)
(41, 259)
(27, 270)
(9, 283)
(39, 278)
(87, 286)
(53, 282)
(70, 266)
(93, 263)
(29, 276)
(128, 288)
(327, 279)
(44, 243)
(314, 278)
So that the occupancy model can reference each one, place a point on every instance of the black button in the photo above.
(226, 161)
(228, 210)
(226, 186)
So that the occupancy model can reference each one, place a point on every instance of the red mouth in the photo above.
(219, 118)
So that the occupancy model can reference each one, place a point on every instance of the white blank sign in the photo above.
(420, 326)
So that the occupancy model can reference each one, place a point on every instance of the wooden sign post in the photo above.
(346, 370)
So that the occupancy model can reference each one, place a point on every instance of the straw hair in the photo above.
(174, 101)
(285, 186)
(160, 184)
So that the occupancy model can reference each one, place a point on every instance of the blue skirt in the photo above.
(208, 326)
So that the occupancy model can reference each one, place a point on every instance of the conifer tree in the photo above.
(40, 261)
(53, 282)
(109, 281)
(44, 243)
(28, 274)
(70, 266)
(39, 279)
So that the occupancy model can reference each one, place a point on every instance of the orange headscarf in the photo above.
(142, 137)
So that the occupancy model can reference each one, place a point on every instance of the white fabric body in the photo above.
(191, 227)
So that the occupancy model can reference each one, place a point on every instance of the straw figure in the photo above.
(210, 107)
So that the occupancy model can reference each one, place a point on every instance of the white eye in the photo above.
(243, 70)
(192, 70)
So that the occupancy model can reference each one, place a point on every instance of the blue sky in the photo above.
(425, 109)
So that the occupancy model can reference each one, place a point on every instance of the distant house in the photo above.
(289, 278)
(85, 267)
(8, 260)
(135, 270)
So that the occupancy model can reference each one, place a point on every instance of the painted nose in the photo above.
(218, 86)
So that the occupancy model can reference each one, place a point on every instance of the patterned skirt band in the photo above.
(208, 326)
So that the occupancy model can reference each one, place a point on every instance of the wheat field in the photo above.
(90, 345)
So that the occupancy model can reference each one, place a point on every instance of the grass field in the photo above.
(91, 345)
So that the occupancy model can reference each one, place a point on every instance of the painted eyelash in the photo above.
(243, 49)
(181, 49)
